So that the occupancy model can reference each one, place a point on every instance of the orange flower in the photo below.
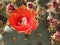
(23, 20)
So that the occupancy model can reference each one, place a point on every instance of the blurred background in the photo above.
(48, 30)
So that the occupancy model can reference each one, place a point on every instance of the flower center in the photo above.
(24, 20)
